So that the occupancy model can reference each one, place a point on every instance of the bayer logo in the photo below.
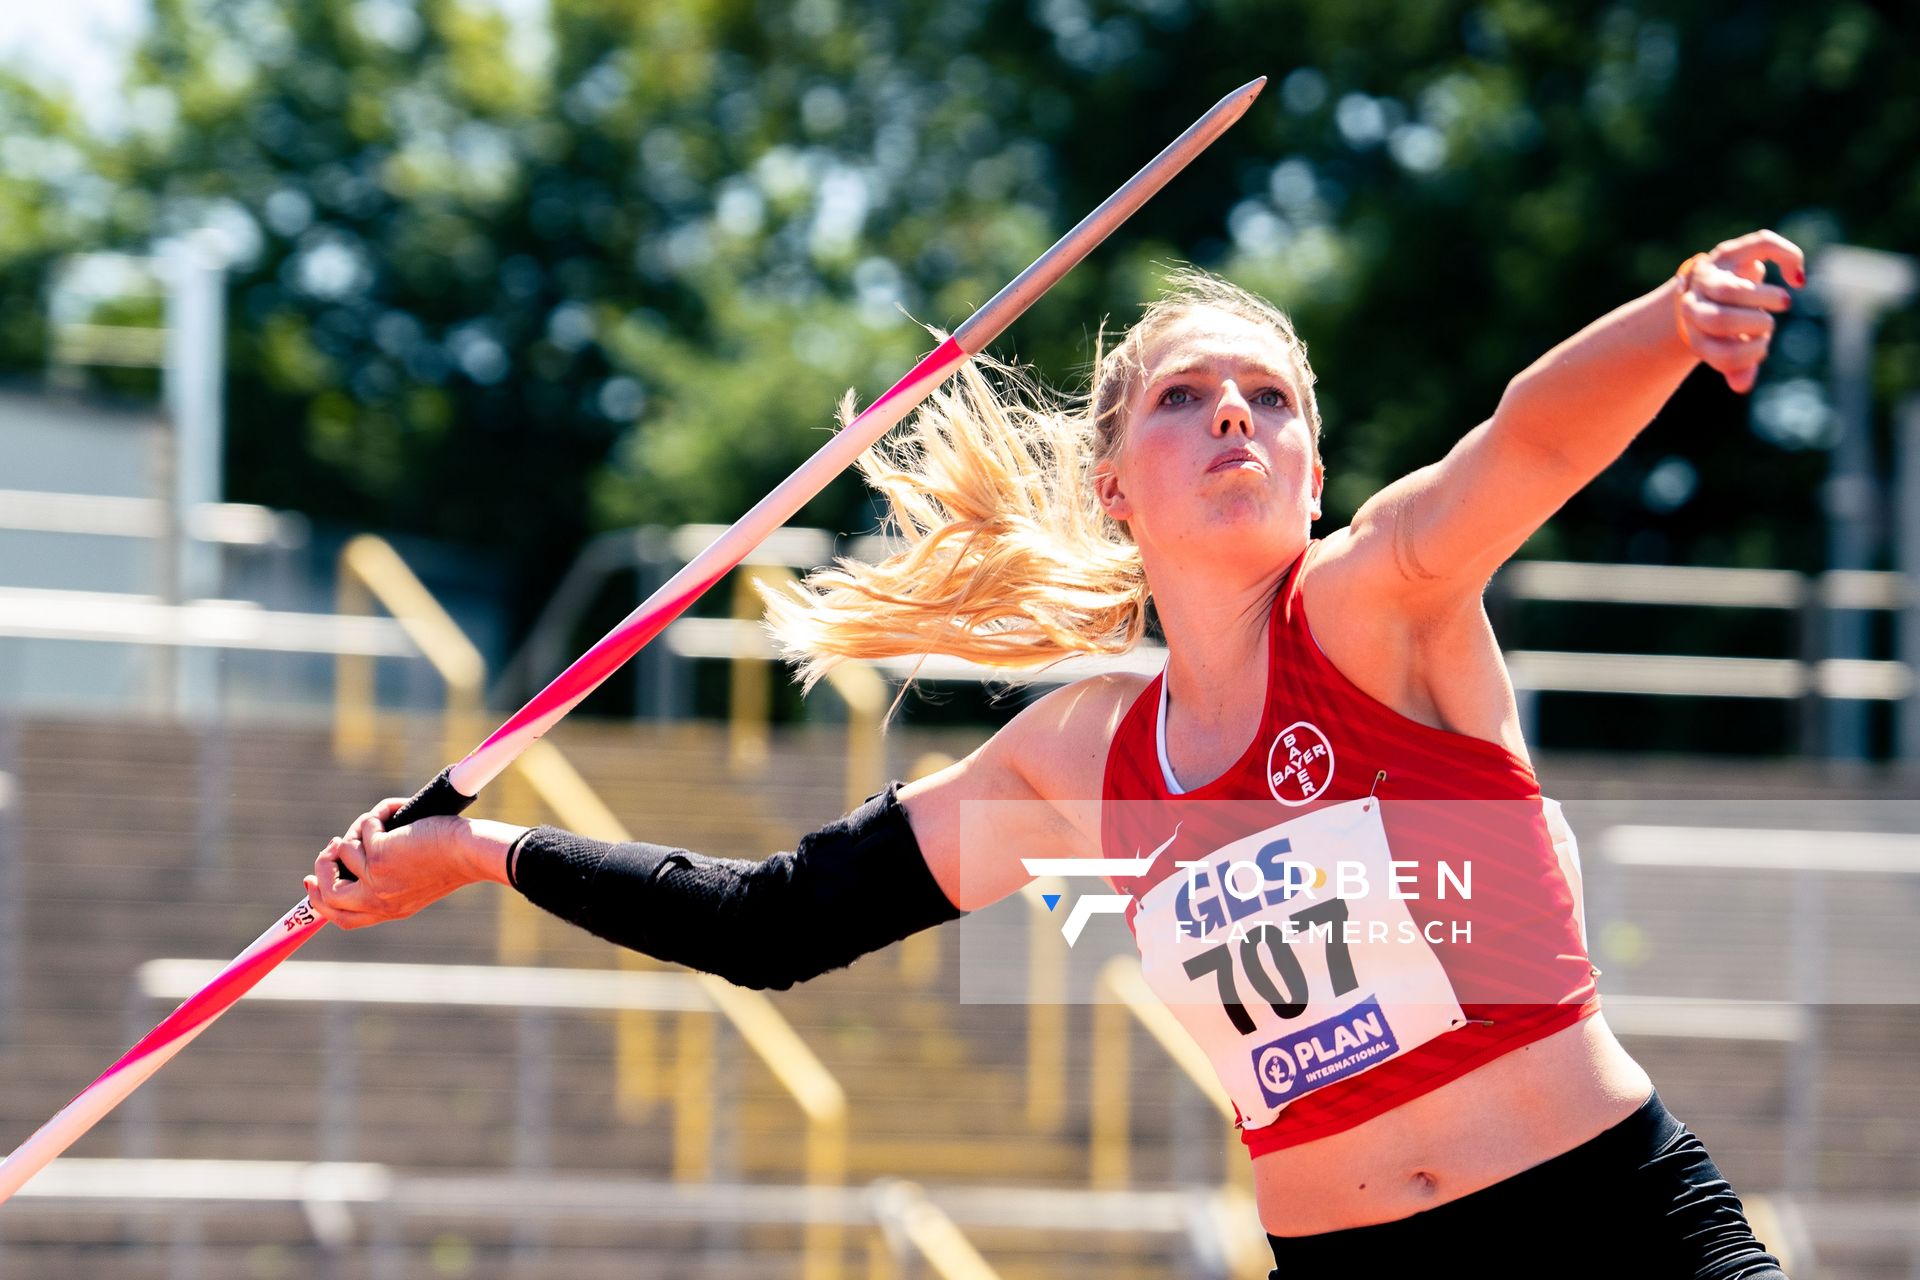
(1275, 1068)
(1299, 764)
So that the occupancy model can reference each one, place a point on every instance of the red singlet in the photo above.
(1323, 741)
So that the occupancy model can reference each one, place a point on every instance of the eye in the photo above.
(1279, 397)
(1167, 396)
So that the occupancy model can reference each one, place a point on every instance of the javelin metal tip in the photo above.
(1237, 102)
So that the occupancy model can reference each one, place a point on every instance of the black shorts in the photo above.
(1641, 1200)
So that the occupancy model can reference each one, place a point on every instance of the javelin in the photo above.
(457, 785)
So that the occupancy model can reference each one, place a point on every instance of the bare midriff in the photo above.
(1522, 1108)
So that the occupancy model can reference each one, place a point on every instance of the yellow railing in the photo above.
(543, 778)
(1122, 999)
(920, 952)
(1046, 1012)
(370, 571)
(553, 780)
(750, 707)
(921, 1226)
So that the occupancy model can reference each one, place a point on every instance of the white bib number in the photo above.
(1290, 959)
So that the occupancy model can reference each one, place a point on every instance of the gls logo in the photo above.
(1093, 904)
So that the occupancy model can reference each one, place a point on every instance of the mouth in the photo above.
(1234, 459)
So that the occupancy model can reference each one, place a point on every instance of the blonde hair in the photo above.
(1006, 556)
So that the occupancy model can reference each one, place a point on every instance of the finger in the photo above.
(351, 856)
(1730, 355)
(365, 827)
(1719, 321)
(327, 889)
(1745, 254)
(335, 914)
(377, 816)
(1716, 285)
(356, 919)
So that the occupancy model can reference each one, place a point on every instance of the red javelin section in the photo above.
(219, 995)
(938, 363)
(607, 657)
(591, 668)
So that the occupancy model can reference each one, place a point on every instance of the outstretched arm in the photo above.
(850, 887)
(910, 858)
(1439, 533)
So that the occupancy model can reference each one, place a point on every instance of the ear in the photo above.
(1319, 483)
(1106, 487)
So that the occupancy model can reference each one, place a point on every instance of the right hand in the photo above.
(1725, 308)
(399, 872)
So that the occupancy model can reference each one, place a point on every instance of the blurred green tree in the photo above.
(58, 195)
(510, 282)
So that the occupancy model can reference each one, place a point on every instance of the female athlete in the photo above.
(1427, 1104)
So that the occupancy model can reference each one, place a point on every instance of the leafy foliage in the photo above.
(509, 284)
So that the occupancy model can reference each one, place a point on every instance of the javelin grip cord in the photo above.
(439, 798)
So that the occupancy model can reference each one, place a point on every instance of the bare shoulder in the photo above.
(1373, 561)
(1034, 785)
(1059, 742)
(1353, 621)
(1353, 583)
(1431, 657)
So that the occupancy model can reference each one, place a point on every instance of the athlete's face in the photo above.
(1216, 455)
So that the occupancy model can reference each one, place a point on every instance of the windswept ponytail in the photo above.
(1005, 555)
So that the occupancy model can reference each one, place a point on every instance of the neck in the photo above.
(1215, 625)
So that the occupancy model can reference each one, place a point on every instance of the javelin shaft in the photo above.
(157, 1047)
(487, 760)
(456, 787)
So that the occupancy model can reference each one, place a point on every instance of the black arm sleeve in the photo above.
(853, 886)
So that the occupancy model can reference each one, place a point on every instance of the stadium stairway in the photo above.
(141, 841)
(138, 841)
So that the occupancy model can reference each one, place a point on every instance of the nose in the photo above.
(1232, 413)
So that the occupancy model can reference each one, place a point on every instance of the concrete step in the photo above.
(109, 825)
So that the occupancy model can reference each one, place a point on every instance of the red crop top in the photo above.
(1321, 742)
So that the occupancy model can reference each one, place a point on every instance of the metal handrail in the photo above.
(1544, 580)
(1683, 584)
(760, 1026)
(52, 613)
(1121, 994)
(493, 986)
(372, 571)
(750, 704)
(638, 548)
(1688, 675)
(1046, 1013)
(370, 565)
(907, 1216)
(119, 516)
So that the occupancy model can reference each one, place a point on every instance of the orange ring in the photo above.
(1684, 274)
